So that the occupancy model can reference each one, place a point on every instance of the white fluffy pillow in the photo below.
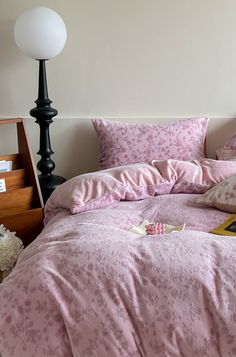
(222, 196)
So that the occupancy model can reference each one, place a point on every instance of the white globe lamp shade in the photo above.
(40, 33)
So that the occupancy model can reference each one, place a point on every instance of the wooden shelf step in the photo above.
(27, 225)
(14, 179)
(15, 158)
(12, 202)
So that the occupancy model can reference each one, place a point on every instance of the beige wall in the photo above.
(132, 60)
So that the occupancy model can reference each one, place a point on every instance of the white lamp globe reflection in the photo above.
(40, 33)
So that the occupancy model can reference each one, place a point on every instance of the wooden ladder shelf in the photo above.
(21, 206)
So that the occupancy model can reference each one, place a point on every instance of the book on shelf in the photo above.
(2, 185)
(5, 165)
(228, 228)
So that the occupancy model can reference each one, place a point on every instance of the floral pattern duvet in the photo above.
(88, 287)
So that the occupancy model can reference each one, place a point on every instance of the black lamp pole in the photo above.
(43, 112)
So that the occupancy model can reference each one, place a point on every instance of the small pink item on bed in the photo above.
(155, 228)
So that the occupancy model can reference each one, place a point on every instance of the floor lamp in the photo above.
(41, 34)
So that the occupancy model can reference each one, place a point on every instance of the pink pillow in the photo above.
(222, 196)
(126, 143)
(228, 151)
(196, 176)
(102, 188)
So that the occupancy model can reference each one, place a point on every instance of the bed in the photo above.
(92, 285)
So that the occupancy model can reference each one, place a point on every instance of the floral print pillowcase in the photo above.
(228, 151)
(222, 196)
(127, 143)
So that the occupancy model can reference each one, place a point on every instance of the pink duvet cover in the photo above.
(88, 287)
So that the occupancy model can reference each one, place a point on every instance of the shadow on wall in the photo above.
(220, 134)
(83, 151)
(75, 147)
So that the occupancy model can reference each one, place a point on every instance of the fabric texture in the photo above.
(228, 151)
(103, 188)
(222, 196)
(137, 181)
(126, 143)
(88, 287)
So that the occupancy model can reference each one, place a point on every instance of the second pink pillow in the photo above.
(127, 143)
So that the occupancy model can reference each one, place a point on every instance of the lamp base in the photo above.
(49, 183)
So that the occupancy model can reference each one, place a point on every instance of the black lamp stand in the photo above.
(43, 112)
